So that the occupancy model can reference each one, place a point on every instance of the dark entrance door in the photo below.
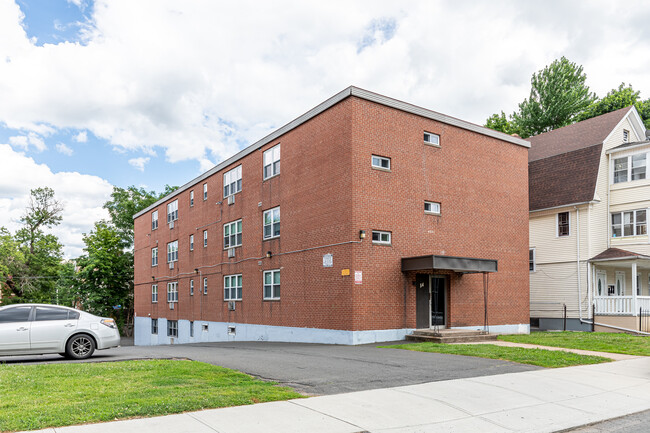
(438, 301)
(422, 301)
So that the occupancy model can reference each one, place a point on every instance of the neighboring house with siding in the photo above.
(589, 194)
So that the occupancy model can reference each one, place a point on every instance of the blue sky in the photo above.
(154, 92)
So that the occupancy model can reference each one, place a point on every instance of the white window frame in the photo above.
(232, 181)
(191, 287)
(154, 257)
(232, 239)
(377, 162)
(205, 191)
(154, 220)
(533, 261)
(191, 198)
(172, 292)
(626, 136)
(172, 211)
(620, 276)
(630, 167)
(154, 293)
(271, 160)
(205, 238)
(172, 252)
(191, 242)
(272, 223)
(229, 288)
(557, 225)
(380, 235)
(273, 286)
(172, 328)
(205, 285)
(432, 139)
(634, 223)
(432, 205)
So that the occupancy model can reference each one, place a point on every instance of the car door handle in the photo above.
(22, 329)
(69, 325)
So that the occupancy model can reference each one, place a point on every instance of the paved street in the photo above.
(315, 369)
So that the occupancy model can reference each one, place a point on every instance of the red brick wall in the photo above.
(327, 192)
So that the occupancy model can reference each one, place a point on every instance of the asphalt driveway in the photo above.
(313, 369)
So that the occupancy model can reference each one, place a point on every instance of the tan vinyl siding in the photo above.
(553, 285)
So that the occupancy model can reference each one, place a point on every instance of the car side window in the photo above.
(73, 315)
(50, 313)
(15, 314)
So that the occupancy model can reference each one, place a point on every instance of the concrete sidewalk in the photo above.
(532, 401)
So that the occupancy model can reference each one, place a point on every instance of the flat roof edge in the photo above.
(349, 91)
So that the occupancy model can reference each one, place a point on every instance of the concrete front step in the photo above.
(450, 336)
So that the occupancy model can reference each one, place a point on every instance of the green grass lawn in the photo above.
(597, 341)
(540, 357)
(39, 396)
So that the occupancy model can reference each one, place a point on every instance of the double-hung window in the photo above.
(433, 139)
(205, 238)
(563, 224)
(191, 242)
(154, 256)
(631, 167)
(531, 260)
(232, 182)
(382, 238)
(380, 162)
(154, 326)
(272, 223)
(272, 162)
(272, 284)
(172, 211)
(629, 223)
(172, 252)
(191, 198)
(172, 292)
(154, 293)
(154, 220)
(232, 287)
(191, 287)
(205, 286)
(232, 234)
(172, 328)
(205, 191)
(638, 166)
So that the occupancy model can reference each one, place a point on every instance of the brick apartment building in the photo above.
(362, 219)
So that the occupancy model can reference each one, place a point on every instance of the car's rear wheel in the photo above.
(80, 346)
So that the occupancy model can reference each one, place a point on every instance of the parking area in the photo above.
(313, 369)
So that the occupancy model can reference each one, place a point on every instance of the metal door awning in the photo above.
(464, 265)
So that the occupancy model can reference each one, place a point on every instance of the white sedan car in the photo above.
(36, 329)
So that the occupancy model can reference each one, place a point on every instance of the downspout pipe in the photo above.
(578, 262)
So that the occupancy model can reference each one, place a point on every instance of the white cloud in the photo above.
(62, 148)
(193, 81)
(139, 163)
(25, 141)
(82, 137)
(82, 196)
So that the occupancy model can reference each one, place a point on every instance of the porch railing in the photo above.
(621, 305)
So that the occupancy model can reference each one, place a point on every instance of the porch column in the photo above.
(635, 311)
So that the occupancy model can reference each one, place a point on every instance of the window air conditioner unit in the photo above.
(171, 225)
(231, 305)
(231, 253)
(171, 305)
(231, 199)
(171, 265)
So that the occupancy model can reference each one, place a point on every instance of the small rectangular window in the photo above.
(191, 287)
(205, 286)
(430, 138)
(380, 162)
(272, 223)
(272, 162)
(626, 136)
(154, 293)
(272, 284)
(232, 287)
(154, 256)
(172, 252)
(531, 260)
(154, 326)
(172, 328)
(172, 211)
(205, 238)
(191, 198)
(563, 224)
(191, 242)
(232, 235)
(620, 170)
(432, 207)
(379, 237)
(154, 220)
(172, 292)
(205, 191)
(232, 182)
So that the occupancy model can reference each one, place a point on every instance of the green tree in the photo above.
(12, 265)
(615, 99)
(499, 122)
(558, 95)
(105, 277)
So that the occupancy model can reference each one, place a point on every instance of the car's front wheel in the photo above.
(80, 346)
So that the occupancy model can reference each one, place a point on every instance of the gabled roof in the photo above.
(564, 179)
(627, 146)
(577, 136)
(617, 254)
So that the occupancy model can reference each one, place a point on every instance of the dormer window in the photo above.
(626, 136)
